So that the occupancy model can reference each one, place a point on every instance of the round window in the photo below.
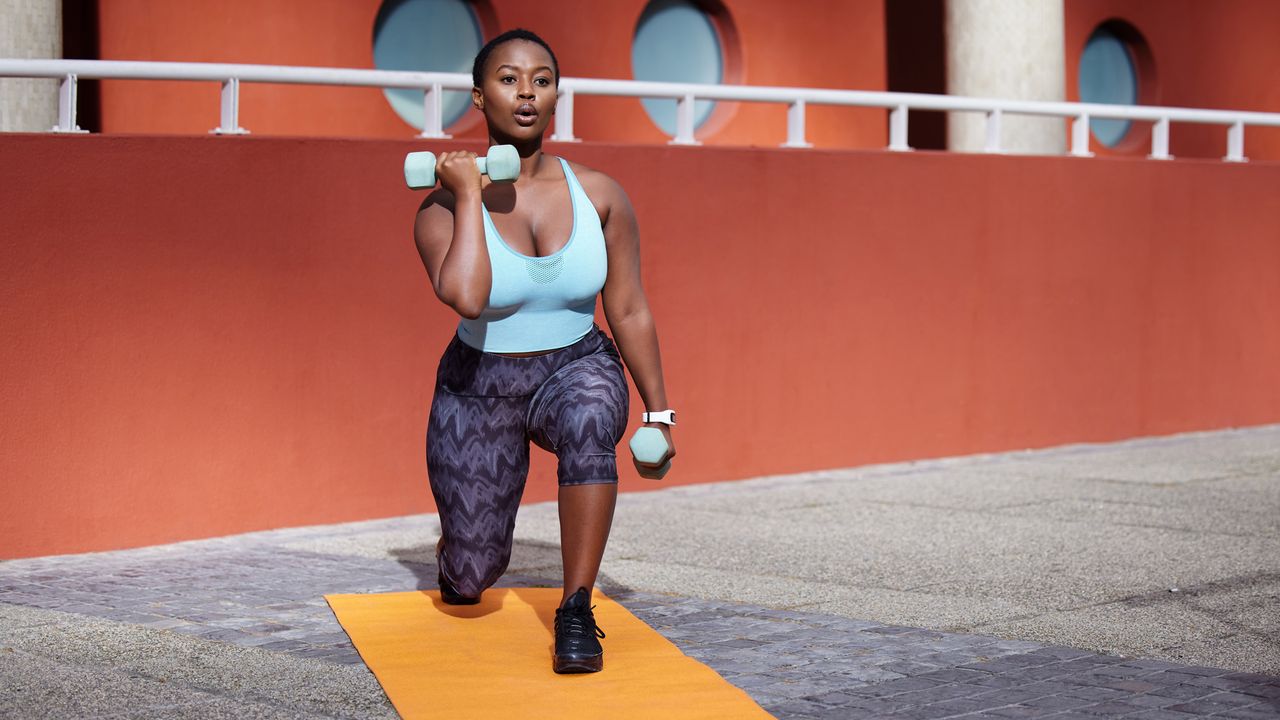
(676, 41)
(1109, 75)
(426, 35)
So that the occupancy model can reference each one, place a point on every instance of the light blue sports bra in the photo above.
(542, 303)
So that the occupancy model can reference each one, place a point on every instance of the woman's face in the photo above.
(518, 91)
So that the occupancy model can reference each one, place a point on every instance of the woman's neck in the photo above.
(530, 155)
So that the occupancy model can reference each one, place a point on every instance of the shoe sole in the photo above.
(565, 664)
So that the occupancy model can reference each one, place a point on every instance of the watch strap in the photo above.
(667, 417)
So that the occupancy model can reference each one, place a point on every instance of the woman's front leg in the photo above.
(586, 514)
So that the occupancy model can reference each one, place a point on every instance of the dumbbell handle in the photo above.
(501, 164)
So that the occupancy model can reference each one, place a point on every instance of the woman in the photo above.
(522, 263)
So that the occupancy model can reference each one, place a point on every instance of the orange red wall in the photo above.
(591, 39)
(204, 336)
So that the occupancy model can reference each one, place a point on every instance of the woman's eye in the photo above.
(508, 79)
(543, 82)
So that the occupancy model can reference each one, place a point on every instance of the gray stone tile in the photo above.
(1253, 712)
(834, 698)
(957, 706)
(1096, 693)
(1235, 699)
(1057, 702)
(1009, 696)
(994, 681)
(1019, 711)
(1183, 692)
(1155, 715)
(1113, 708)
(1201, 707)
(1149, 700)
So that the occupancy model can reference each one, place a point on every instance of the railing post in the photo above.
(1080, 136)
(898, 129)
(795, 126)
(563, 131)
(1160, 140)
(684, 122)
(1235, 143)
(433, 113)
(993, 132)
(230, 121)
(67, 106)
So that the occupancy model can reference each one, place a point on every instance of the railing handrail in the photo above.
(230, 75)
(218, 72)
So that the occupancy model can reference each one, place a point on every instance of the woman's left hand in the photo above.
(671, 444)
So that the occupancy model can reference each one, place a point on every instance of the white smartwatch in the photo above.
(667, 417)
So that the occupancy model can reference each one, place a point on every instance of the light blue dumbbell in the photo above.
(649, 446)
(501, 164)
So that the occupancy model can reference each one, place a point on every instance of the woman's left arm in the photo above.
(627, 309)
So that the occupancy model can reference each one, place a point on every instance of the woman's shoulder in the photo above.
(605, 193)
(600, 187)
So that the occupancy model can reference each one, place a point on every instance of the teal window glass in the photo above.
(676, 41)
(426, 35)
(1108, 75)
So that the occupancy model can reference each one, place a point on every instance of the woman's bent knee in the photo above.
(472, 570)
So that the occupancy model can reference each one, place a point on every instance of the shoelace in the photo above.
(580, 623)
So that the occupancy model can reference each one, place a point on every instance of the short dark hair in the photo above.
(477, 68)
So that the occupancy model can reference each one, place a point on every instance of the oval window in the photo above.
(426, 35)
(676, 41)
(1108, 75)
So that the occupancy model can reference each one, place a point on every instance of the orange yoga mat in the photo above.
(493, 660)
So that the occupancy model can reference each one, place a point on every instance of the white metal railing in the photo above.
(685, 94)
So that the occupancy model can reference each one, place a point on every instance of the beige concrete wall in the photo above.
(1006, 49)
(29, 29)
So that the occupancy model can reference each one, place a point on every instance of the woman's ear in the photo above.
(477, 99)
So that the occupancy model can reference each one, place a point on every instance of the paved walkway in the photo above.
(1137, 579)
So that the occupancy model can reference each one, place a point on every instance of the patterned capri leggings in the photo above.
(487, 407)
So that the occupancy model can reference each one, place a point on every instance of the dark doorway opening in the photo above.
(80, 42)
(916, 48)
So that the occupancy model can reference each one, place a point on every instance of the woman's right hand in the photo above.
(457, 172)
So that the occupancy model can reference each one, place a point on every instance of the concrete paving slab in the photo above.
(1109, 628)
(1237, 522)
(37, 687)
(60, 665)
(1163, 461)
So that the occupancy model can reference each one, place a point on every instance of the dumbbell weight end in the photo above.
(420, 170)
(649, 446)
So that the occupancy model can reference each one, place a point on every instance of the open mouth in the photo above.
(526, 115)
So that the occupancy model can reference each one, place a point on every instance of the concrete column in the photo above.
(29, 29)
(1006, 49)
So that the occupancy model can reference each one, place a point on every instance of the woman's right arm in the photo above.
(449, 233)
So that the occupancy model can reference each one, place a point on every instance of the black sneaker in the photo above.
(448, 594)
(577, 649)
